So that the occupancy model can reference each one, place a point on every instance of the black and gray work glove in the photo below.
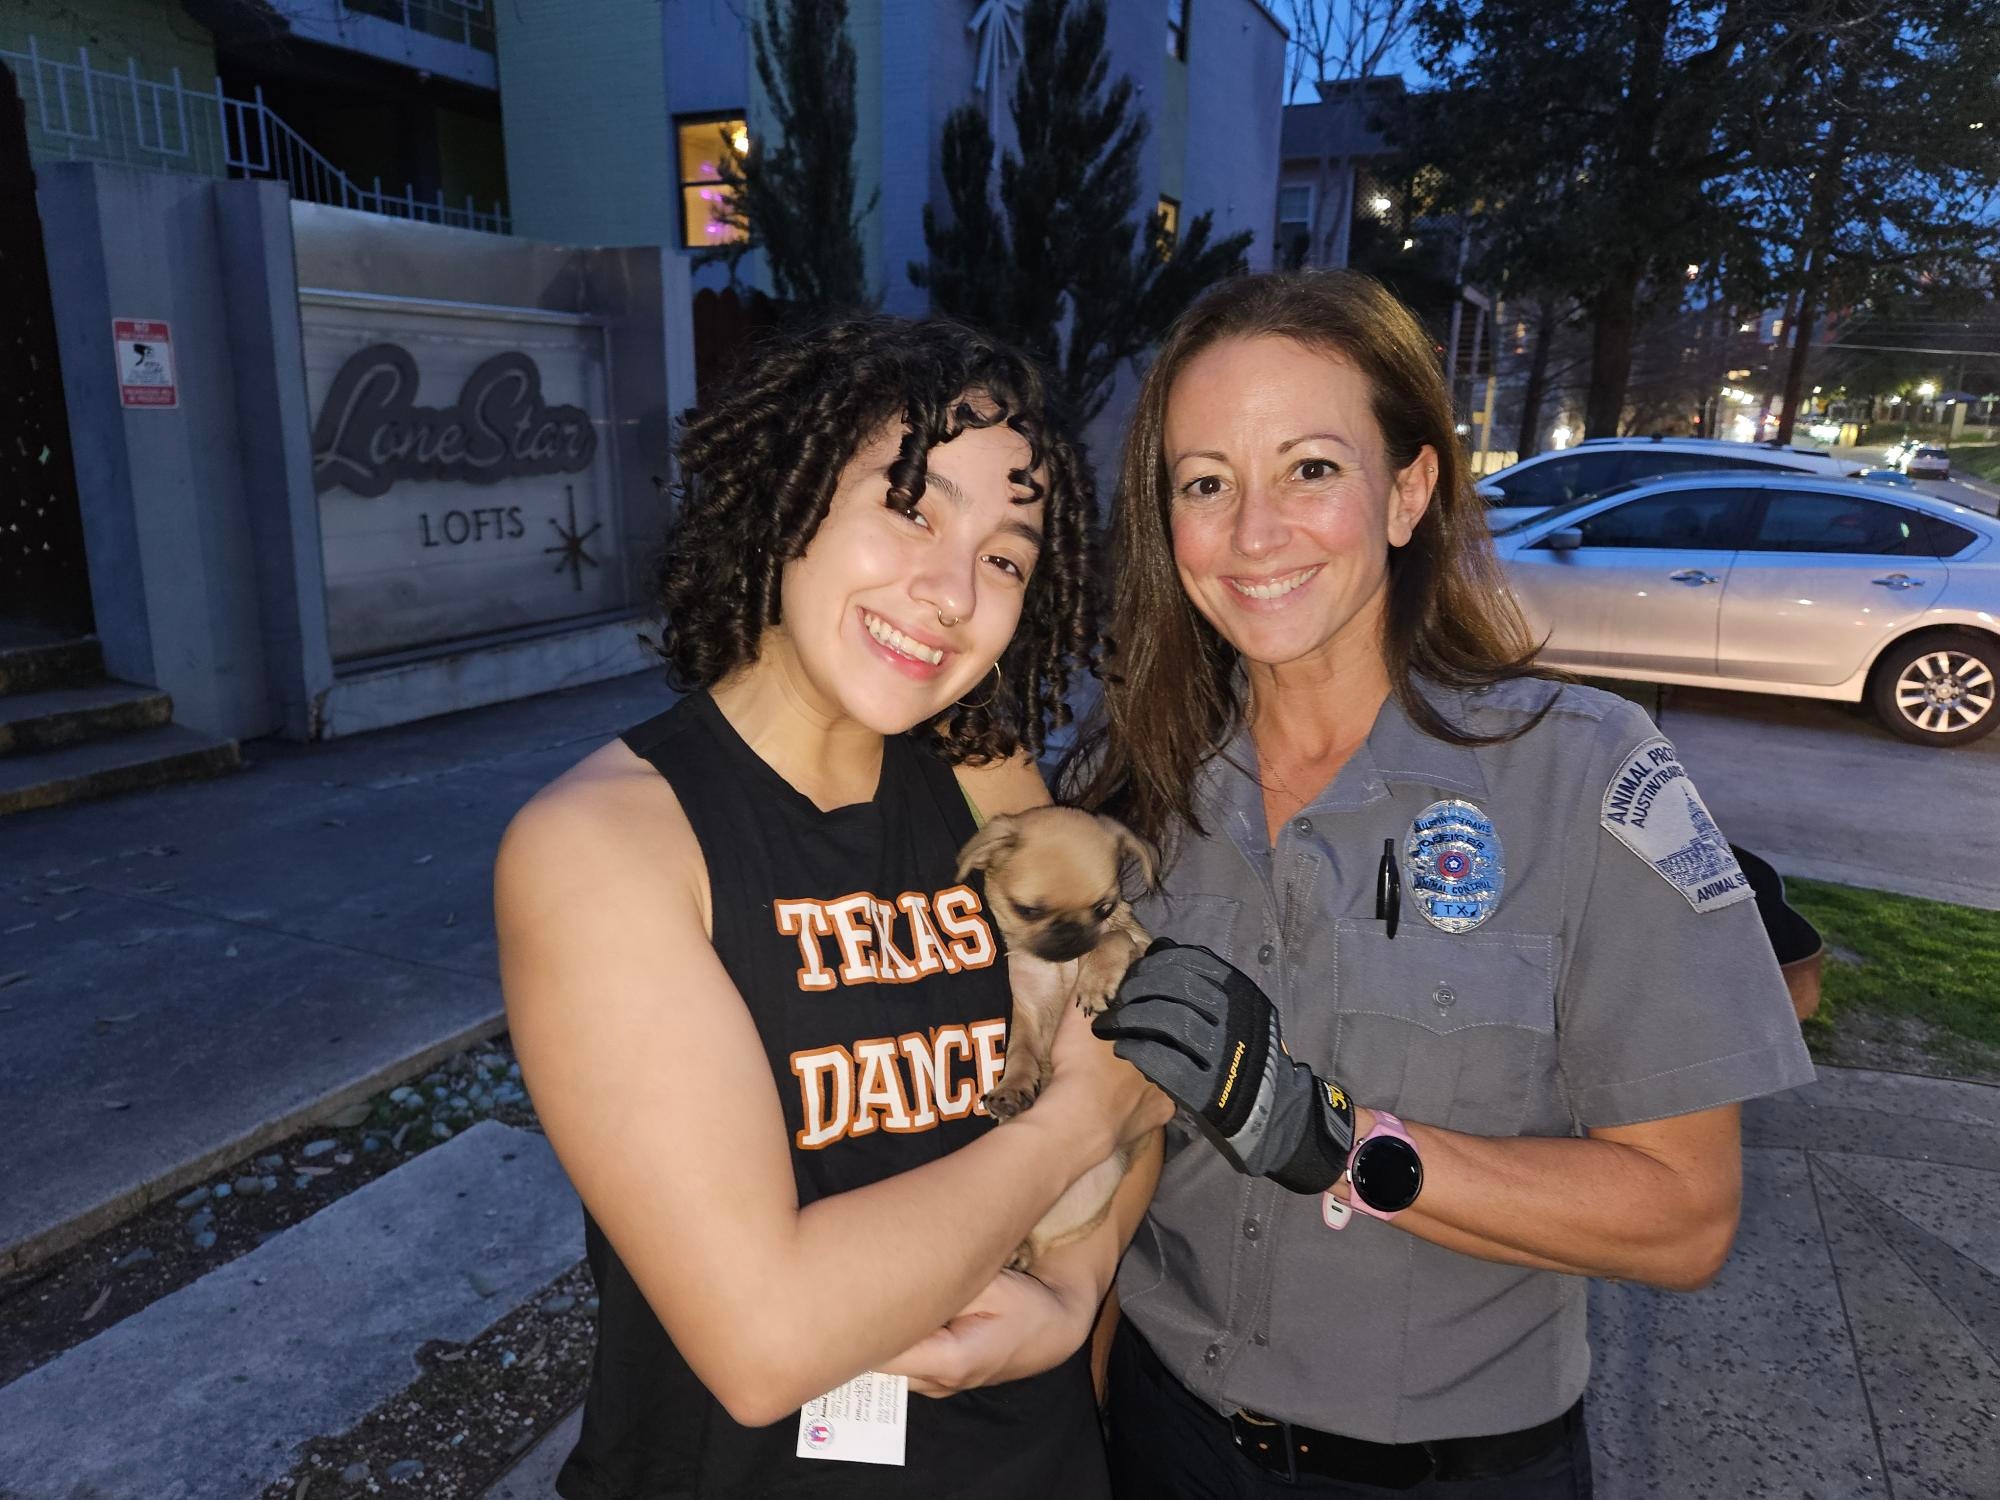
(1209, 1038)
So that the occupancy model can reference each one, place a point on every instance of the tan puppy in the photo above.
(1055, 883)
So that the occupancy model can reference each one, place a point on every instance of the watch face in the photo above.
(1387, 1174)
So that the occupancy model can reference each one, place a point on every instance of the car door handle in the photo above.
(1899, 581)
(1694, 576)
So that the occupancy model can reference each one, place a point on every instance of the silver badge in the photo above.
(1454, 866)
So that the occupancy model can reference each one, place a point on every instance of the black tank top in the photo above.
(878, 988)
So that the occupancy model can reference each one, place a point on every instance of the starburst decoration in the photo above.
(998, 23)
(570, 541)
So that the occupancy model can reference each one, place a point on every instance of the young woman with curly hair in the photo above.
(753, 1001)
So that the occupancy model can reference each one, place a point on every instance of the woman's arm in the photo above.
(653, 1085)
(1656, 1202)
(1023, 1324)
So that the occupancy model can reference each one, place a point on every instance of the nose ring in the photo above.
(947, 624)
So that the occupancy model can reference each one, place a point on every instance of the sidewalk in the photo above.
(1850, 1349)
(208, 967)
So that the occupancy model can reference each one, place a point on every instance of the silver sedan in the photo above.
(1805, 587)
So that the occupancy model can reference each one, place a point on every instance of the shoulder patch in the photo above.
(1652, 808)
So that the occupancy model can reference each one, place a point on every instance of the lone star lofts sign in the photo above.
(443, 523)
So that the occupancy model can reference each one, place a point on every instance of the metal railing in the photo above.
(257, 143)
(78, 111)
(467, 21)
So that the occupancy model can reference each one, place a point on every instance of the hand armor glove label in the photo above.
(1209, 1037)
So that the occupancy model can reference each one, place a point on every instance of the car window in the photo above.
(1948, 538)
(1656, 465)
(1798, 521)
(1930, 453)
(1563, 479)
(1680, 520)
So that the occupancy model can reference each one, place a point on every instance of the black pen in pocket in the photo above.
(1388, 888)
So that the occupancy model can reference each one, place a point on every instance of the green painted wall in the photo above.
(158, 33)
(160, 37)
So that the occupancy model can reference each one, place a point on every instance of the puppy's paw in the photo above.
(1092, 1005)
(1009, 1099)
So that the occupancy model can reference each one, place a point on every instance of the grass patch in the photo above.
(1927, 961)
(1980, 460)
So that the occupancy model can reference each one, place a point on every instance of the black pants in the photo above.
(1166, 1445)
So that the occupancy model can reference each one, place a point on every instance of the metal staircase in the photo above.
(79, 111)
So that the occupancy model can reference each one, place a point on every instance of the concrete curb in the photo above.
(1868, 877)
(533, 1474)
(213, 1391)
(1977, 486)
(31, 1250)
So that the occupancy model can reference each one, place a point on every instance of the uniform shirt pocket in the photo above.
(1197, 920)
(1455, 1030)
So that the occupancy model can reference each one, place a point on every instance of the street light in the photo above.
(1928, 389)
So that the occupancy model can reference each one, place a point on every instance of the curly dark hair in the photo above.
(758, 466)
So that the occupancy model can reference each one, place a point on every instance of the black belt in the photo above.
(1288, 1450)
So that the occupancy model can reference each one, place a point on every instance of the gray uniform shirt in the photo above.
(1623, 976)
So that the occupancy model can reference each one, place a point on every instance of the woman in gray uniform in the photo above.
(1468, 986)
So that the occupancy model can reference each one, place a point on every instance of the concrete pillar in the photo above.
(168, 522)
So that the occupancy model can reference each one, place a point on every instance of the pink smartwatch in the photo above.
(1384, 1174)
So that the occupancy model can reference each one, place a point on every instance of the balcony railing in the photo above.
(467, 21)
(79, 111)
(444, 38)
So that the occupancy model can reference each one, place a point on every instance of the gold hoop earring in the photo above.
(998, 683)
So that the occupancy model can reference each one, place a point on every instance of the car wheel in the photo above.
(1939, 689)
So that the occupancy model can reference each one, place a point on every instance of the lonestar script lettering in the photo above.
(371, 432)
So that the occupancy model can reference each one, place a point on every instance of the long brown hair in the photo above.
(1171, 697)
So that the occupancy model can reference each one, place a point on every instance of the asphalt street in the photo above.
(1824, 791)
(1975, 494)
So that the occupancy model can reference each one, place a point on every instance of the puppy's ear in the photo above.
(992, 843)
(1134, 848)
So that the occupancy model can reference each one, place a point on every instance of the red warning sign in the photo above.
(145, 362)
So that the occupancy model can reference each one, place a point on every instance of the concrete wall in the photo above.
(171, 528)
(584, 104)
(202, 528)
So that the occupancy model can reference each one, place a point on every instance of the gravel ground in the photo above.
(476, 1408)
(62, 1302)
(1865, 1038)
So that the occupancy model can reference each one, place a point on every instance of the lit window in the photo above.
(704, 143)
(1177, 28)
(1169, 215)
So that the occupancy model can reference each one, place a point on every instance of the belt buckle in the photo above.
(1255, 1436)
